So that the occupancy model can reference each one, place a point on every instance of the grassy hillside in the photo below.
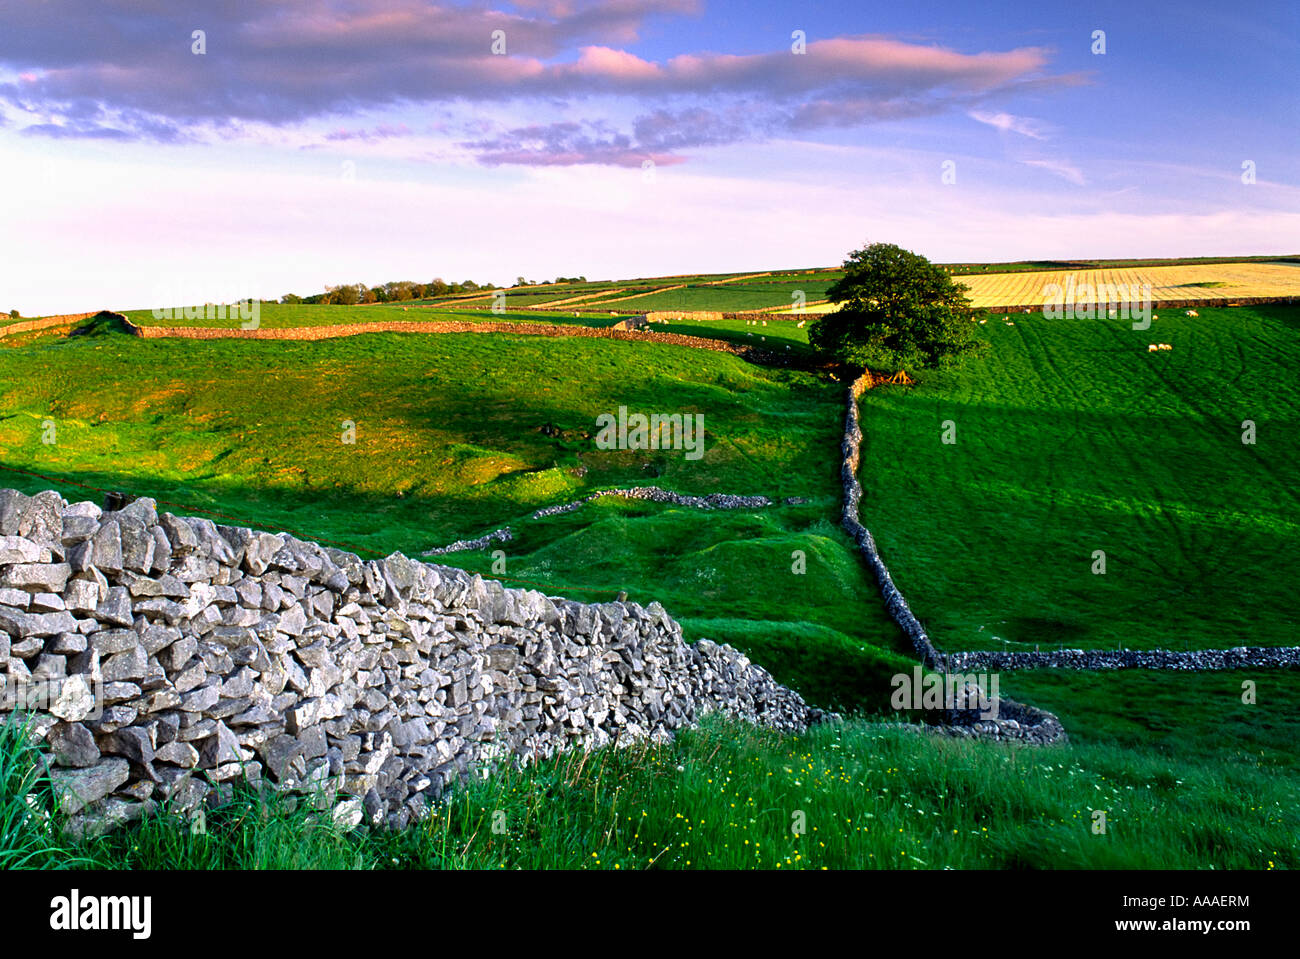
(460, 434)
(1072, 438)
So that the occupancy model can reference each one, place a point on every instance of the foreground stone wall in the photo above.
(157, 653)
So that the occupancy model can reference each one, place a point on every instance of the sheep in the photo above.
(1192, 313)
(983, 321)
(799, 325)
(1152, 347)
(1166, 346)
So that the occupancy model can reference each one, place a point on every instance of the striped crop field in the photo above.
(1219, 281)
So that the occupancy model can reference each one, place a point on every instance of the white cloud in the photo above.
(1010, 123)
(1061, 168)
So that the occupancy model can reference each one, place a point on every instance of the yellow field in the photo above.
(1235, 280)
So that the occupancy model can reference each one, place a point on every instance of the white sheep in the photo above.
(800, 324)
(1152, 347)
(1192, 313)
(1166, 346)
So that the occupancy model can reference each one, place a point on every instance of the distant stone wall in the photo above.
(157, 654)
(1014, 721)
(45, 323)
(523, 328)
(1240, 657)
(895, 603)
(772, 313)
(1256, 657)
(654, 494)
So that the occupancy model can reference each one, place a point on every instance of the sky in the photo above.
(295, 144)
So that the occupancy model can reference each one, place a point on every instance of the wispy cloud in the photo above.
(1061, 168)
(383, 131)
(1010, 123)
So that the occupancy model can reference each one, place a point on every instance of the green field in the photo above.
(728, 297)
(1072, 438)
(778, 334)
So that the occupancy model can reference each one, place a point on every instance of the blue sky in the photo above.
(360, 140)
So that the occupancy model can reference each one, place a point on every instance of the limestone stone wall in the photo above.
(1014, 721)
(753, 354)
(45, 323)
(158, 654)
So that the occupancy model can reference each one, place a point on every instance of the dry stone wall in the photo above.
(746, 352)
(158, 655)
(654, 494)
(1189, 660)
(1014, 721)
(45, 323)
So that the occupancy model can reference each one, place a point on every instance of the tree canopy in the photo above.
(898, 311)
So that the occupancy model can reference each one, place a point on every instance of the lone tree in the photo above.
(898, 311)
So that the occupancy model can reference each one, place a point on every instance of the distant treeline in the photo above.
(350, 294)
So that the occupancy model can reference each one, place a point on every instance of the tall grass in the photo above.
(30, 834)
(728, 795)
